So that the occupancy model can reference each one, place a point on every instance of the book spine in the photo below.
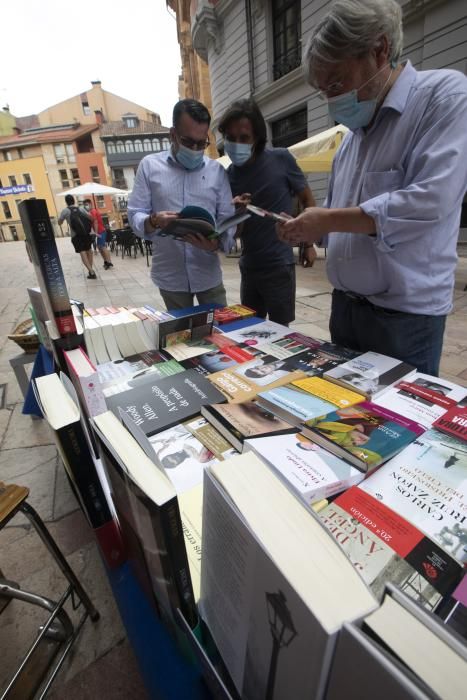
(82, 472)
(43, 249)
(177, 561)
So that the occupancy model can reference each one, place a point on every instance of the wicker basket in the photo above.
(27, 342)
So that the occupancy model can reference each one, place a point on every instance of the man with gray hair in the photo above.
(391, 216)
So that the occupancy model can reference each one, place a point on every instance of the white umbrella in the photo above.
(93, 188)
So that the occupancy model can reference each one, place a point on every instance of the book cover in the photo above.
(383, 546)
(210, 438)
(293, 404)
(183, 328)
(160, 404)
(135, 370)
(43, 252)
(85, 379)
(422, 398)
(370, 374)
(239, 421)
(318, 360)
(328, 391)
(454, 423)
(290, 345)
(196, 219)
(259, 333)
(244, 381)
(427, 485)
(310, 471)
(365, 434)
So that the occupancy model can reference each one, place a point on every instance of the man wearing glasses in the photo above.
(391, 218)
(167, 182)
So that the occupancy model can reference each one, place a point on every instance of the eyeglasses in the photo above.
(193, 145)
(331, 90)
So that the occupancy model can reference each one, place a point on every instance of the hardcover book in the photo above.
(184, 328)
(43, 252)
(423, 398)
(383, 546)
(365, 434)
(162, 403)
(294, 405)
(370, 374)
(268, 602)
(86, 381)
(244, 381)
(427, 485)
(454, 423)
(239, 421)
(307, 469)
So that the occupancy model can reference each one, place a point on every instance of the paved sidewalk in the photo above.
(103, 663)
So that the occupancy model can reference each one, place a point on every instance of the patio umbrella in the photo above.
(92, 189)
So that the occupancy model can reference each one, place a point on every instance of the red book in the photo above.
(454, 422)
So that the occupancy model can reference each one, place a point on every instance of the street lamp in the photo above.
(282, 631)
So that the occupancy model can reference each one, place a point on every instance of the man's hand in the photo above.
(310, 226)
(201, 242)
(242, 200)
(162, 218)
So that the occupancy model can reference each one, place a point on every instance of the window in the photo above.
(95, 174)
(120, 147)
(75, 177)
(14, 232)
(147, 145)
(64, 179)
(165, 144)
(17, 202)
(26, 178)
(129, 147)
(290, 129)
(100, 201)
(156, 145)
(138, 145)
(59, 152)
(12, 180)
(6, 210)
(20, 153)
(8, 155)
(110, 148)
(287, 34)
(86, 109)
(130, 122)
(70, 153)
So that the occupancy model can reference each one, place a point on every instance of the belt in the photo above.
(359, 299)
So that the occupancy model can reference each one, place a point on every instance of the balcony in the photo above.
(120, 183)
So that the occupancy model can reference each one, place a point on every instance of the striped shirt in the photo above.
(162, 184)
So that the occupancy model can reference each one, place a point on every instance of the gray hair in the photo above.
(351, 29)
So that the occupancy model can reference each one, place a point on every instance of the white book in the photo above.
(259, 333)
(93, 330)
(370, 374)
(86, 378)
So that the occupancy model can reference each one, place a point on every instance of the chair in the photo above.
(38, 669)
(129, 242)
(148, 249)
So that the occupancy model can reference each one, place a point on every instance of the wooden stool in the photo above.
(35, 674)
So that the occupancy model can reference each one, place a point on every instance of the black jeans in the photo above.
(270, 291)
(413, 338)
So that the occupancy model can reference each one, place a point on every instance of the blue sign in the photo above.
(16, 189)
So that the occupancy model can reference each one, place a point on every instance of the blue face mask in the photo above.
(239, 153)
(188, 158)
(347, 110)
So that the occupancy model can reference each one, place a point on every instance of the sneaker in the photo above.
(92, 275)
(107, 265)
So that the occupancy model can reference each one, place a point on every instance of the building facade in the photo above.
(254, 47)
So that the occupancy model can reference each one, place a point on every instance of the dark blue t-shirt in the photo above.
(272, 179)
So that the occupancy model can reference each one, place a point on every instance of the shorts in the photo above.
(101, 239)
(82, 242)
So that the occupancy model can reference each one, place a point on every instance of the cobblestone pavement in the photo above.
(103, 663)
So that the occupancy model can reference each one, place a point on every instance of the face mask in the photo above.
(239, 153)
(347, 110)
(188, 158)
(87, 207)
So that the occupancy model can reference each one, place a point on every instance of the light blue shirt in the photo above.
(162, 184)
(409, 173)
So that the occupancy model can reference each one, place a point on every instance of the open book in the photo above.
(194, 219)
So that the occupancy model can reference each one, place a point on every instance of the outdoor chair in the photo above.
(39, 667)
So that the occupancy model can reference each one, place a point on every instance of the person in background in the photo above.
(164, 184)
(391, 218)
(100, 232)
(80, 224)
(268, 178)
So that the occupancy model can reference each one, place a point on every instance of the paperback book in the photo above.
(294, 405)
(365, 434)
(162, 403)
(423, 398)
(328, 391)
(318, 360)
(134, 371)
(454, 423)
(244, 381)
(185, 328)
(383, 546)
(427, 485)
(259, 333)
(234, 312)
(239, 421)
(194, 219)
(290, 345)
(307, 469)
(370, 374)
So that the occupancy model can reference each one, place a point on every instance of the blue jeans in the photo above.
(413, 338)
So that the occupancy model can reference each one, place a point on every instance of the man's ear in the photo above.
(381, 51)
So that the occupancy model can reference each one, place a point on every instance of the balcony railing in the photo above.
(287, 62)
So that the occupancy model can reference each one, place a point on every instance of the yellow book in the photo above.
(320, 505)
(329, 392)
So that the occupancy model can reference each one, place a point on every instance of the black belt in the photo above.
(359, 299)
